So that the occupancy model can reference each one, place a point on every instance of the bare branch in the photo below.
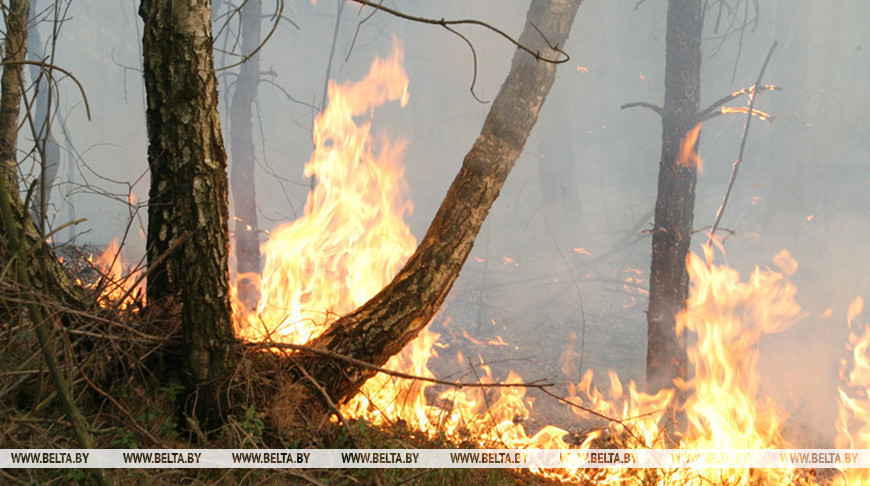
(704, 115)
(644, 104)
(736, 166)
(446, 23)
(276, 17)
(49, 66)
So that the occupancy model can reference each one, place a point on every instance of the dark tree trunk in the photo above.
(393, 317)
(188, 242)
(674, 211)
(243, 160)
(46, 274)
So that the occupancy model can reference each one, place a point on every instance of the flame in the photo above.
(352, 238)
(687, 156)
(853, 420)
(724, 409)
(785, 262)
(117, 289)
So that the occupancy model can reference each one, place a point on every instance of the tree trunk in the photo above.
(243, 160)
(47, 147)
(674, 211)
(393, 317)
(46, 274)
(188, 242)
(18, 248)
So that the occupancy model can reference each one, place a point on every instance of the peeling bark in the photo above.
(393, 317)
(188, 242)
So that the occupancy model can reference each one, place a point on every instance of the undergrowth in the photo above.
(123, 367)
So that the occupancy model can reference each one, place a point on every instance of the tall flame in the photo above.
(724, 409)
(352, 238)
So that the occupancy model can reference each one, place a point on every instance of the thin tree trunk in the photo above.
(18, 249)
(674, 211)
(188, 242)
(47, 147)
(47, 275)
(392, 318)
(243, 159)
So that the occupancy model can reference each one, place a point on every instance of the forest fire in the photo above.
(352, 240)
(116, 288)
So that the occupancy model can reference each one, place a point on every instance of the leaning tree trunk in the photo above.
(188, 242)
(674, 211)
(393, 317)
(243, 160)
(44, 271)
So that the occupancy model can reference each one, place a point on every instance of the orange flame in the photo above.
(352, 238)
(853, 420)
(687, 156)
(117, 288)
(724, 409)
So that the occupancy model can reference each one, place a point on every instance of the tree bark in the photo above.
(46, 274)
(246, 232)
(393, 317)
(674, 211)
(188, 242)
